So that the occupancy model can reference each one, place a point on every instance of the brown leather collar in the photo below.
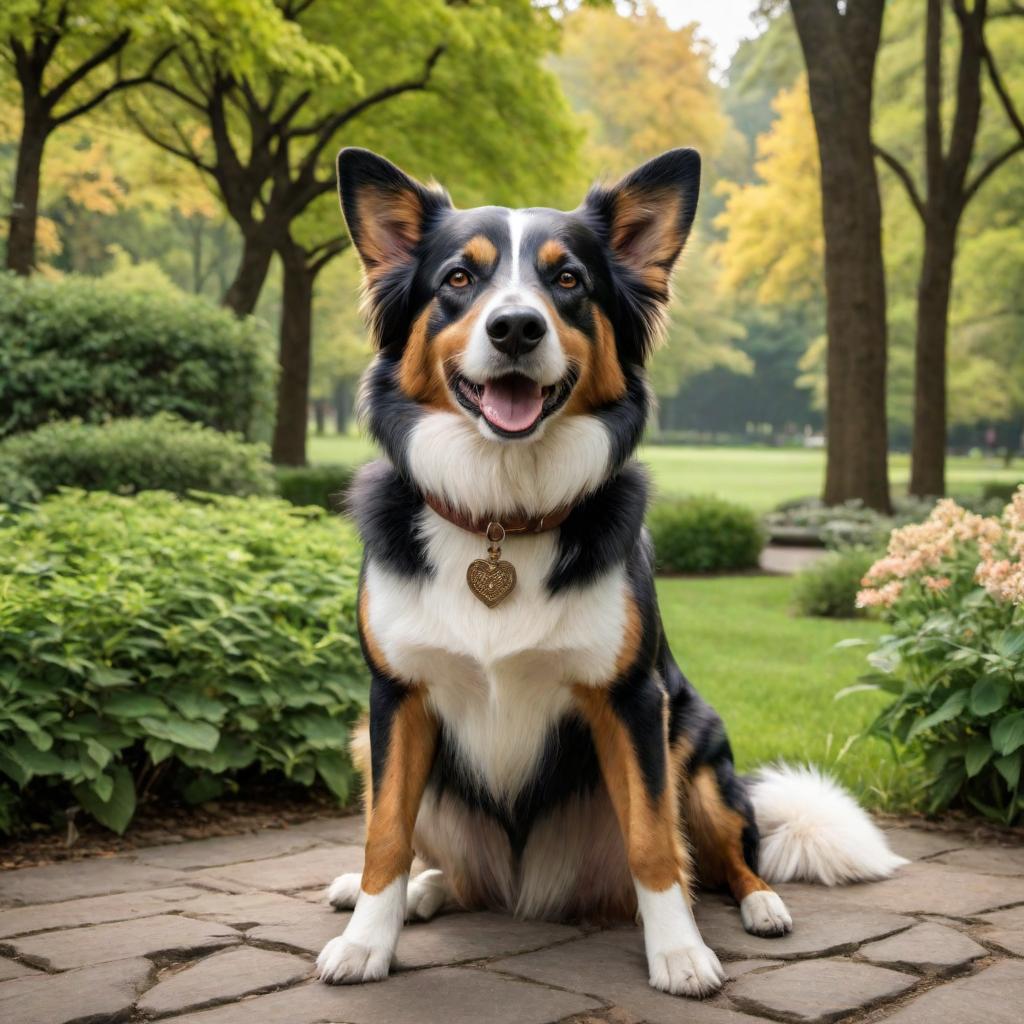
(509, 524)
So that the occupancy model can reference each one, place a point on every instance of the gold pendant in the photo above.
(492, 579)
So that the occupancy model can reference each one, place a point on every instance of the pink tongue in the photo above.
(512, 403)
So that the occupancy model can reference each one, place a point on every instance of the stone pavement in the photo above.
(225, 931)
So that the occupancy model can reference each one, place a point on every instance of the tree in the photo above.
(840, 46)
(949, 187)
(69, 57)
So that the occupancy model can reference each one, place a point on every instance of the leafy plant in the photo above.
(315, 485)
(149, 636)
(704, 534)
(952, 589)
(15, 487)
(126, 456)
(829, 587)
(78, 348)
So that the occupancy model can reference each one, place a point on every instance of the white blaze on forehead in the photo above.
(516, 220)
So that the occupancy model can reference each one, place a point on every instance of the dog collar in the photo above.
(492, 579)
(484, 526)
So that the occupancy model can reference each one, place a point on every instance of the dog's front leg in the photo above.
(403, 739)
(629, 725)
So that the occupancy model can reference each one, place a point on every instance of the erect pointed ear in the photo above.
(647, 216)
(386, 210)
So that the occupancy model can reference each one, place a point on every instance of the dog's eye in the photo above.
(458, 279)
(567, 279)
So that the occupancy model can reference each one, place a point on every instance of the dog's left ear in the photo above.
(647, 216)
(386, 210)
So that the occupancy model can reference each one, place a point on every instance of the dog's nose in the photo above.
(515, 330)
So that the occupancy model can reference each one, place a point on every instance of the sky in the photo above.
(723, 22)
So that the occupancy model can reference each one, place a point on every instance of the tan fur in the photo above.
(482, 251)
(390, 224)
(632, 635)
(551, 253)
(421, 373)
(411, 747)
(645, 235)
(716, 832)
(601, 379)
(657, 857)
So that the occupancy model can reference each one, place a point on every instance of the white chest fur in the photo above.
(499, 677)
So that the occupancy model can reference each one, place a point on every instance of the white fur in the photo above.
(812, 830)
(677, 959)
(764, 913)
(365, 950)
(424, 897)
(449, 457)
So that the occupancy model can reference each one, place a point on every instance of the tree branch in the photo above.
(997, 84)
(904, 176)
(187, 153)
(989, 169)
(101, 56)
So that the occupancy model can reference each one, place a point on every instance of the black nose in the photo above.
(515, 330)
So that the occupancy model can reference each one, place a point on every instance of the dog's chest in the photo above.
(499, 677)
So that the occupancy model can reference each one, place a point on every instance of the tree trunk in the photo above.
(342, 405)
(21, 236)
(289, 445)
(928, 452)
(839, 51)
(244, 291)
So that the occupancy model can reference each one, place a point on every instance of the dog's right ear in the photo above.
(386, 210)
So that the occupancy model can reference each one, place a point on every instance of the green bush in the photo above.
(15, 487)
(952, 590)
(999, 490)
(77, 348)
(192, 640)
(164, 453)
(704, 534)
(315, 485)
(829, 587)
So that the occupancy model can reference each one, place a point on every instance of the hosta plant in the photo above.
(952, 589)
(151, 642)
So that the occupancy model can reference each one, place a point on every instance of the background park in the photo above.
(181, 342)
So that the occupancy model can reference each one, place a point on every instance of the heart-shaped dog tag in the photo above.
(491, 581)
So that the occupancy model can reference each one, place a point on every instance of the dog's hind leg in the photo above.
(426, 894)
(721, 828)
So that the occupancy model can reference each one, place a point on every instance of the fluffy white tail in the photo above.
(812, 830)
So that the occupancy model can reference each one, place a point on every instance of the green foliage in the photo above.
(206, 638)
(999, 490)
(952, 591)
(315, 485)
(704, 534)
(15, 487)
(828, 589)
(164, 453)
(74, 349)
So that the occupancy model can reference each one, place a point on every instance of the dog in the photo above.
(530, 736)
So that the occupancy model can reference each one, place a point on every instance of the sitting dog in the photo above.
(530, 735)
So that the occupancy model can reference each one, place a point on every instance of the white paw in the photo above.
(425, 896)
(343, 891)
(342, 962)
(690, 971)
(764, 913)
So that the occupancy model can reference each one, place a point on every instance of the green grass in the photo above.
(759, 478)
(773, 678)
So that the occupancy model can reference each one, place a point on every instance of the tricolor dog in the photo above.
(530, 735)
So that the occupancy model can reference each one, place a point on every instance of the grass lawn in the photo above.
(759, 478)
(773, 678)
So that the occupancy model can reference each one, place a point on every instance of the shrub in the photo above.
(829, 587)
(78, 348)
(810, 521)
(952, 589)
(151, 635)
(999, 490)
(315, 485)
(704, 534)
(15, 487)
(126, 456)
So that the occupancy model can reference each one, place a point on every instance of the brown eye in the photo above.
(458, 279)
(567, 279)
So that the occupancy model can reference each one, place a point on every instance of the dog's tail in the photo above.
(812, 830)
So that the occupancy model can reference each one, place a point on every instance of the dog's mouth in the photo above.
(513, 405)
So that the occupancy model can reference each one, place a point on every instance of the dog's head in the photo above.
(516, 319)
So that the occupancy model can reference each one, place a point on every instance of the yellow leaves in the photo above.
(774, 244)
(85, 175)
